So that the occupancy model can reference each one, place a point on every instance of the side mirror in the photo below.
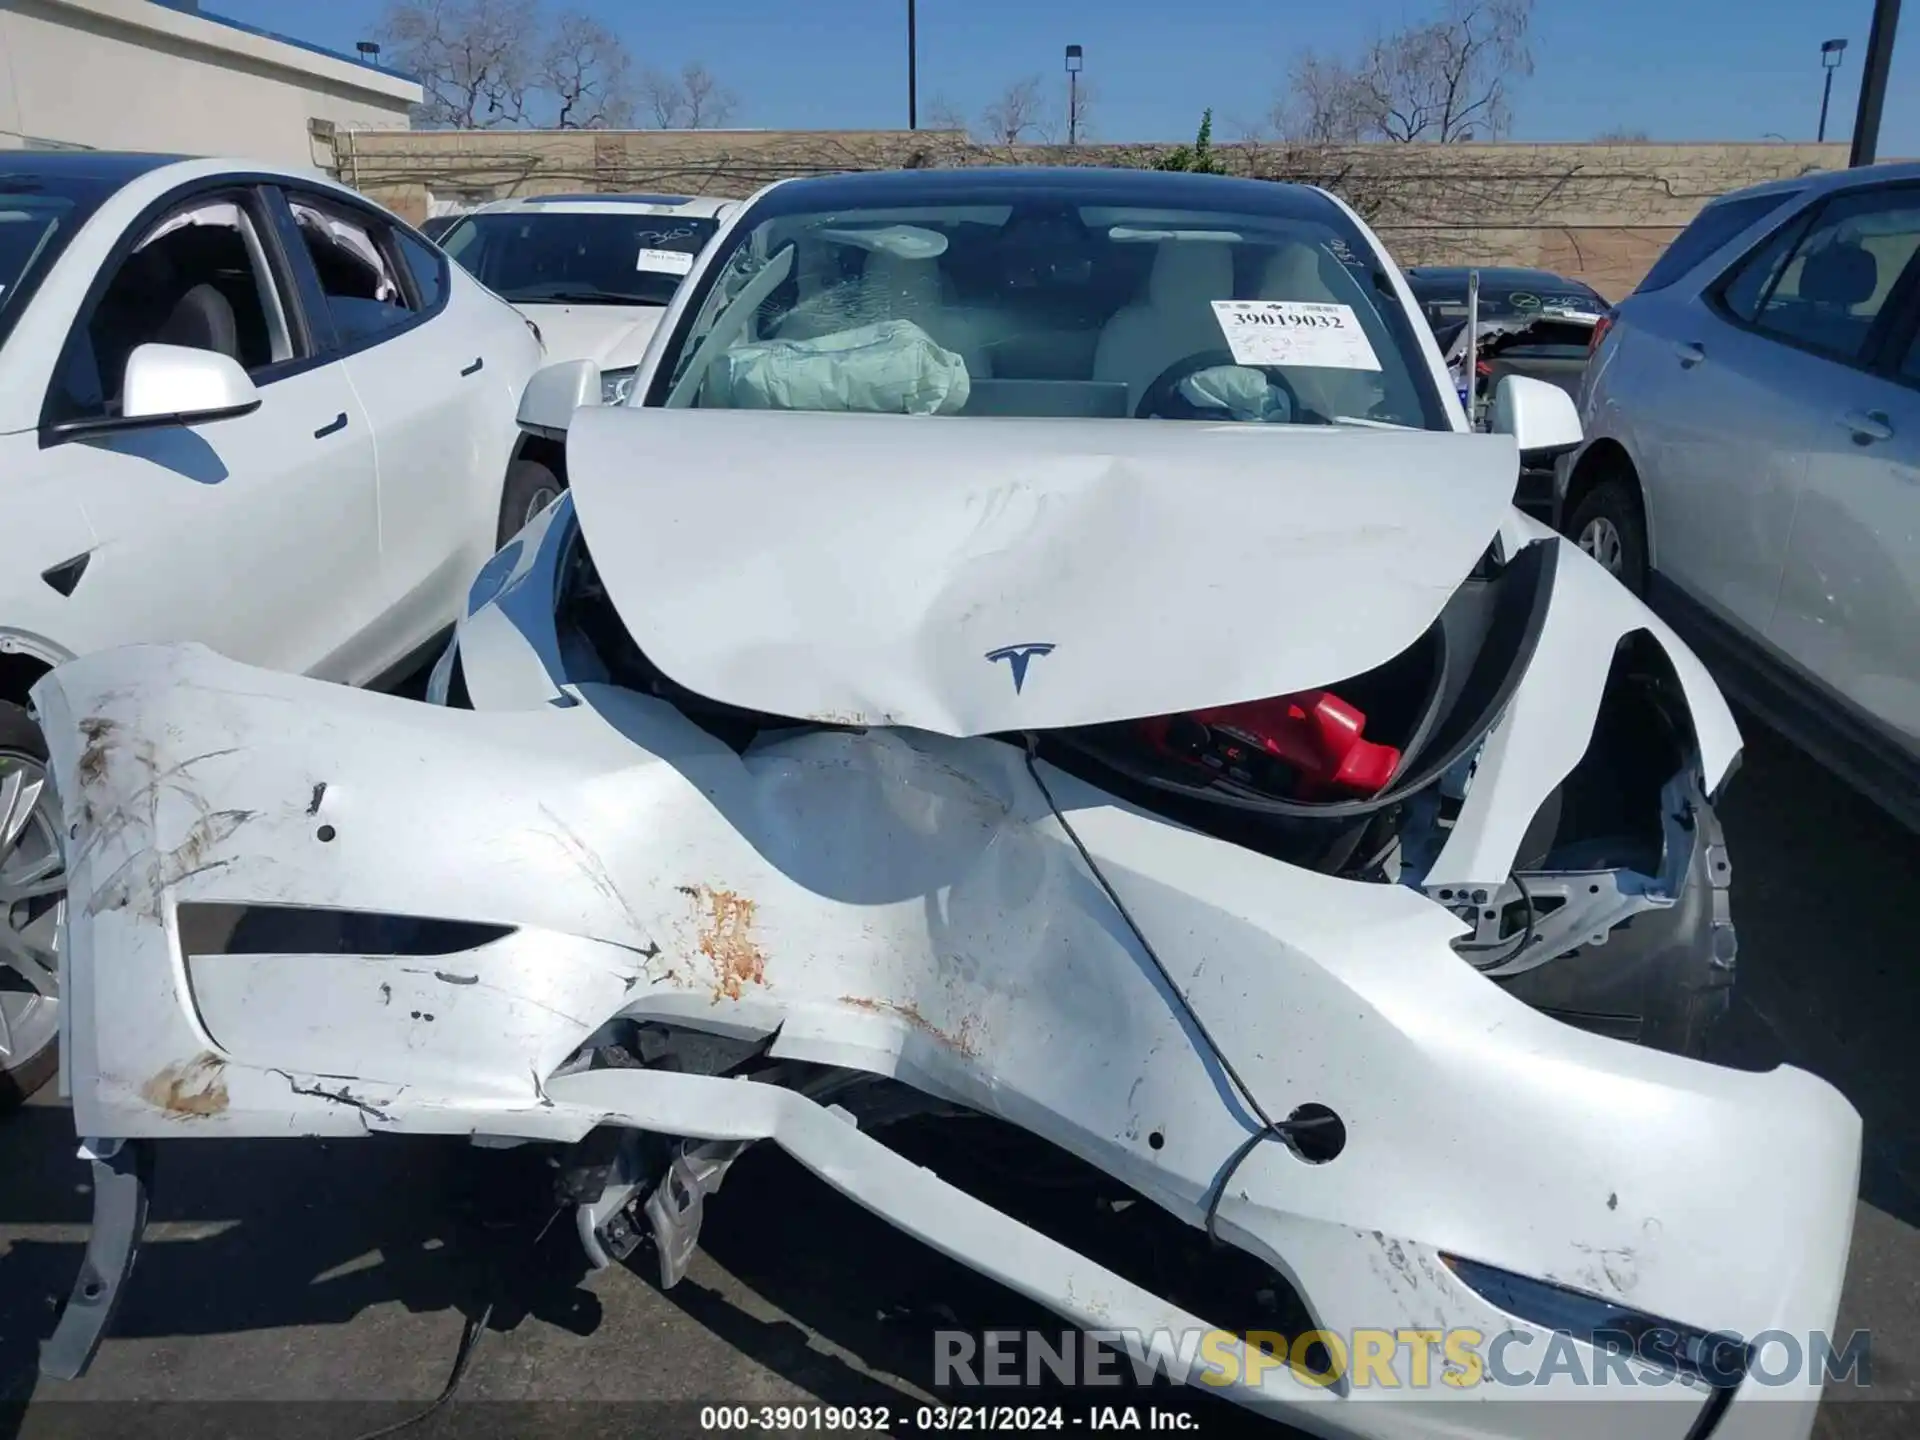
(1541, 417)
(173, 384)
(168, 385)
(554, 393)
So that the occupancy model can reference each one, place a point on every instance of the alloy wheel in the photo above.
(538, 501)
(33, 884)
(1600, 538)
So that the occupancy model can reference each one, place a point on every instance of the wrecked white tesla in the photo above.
(1257, 809)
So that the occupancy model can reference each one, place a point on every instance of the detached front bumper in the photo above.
(501, 885)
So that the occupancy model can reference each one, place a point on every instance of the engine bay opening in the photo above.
(1428, 706)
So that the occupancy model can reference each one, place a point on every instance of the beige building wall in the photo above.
(134, 75)
(1599, 212)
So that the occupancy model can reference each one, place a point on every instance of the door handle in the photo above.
(1691, 353)
(474, 368)
(338, 423)
(1868, 426)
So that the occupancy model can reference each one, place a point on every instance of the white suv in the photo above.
(1752, 461)
(594, 273)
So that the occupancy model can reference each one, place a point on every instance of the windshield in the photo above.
(1498, 303)
(33, 229)
(581, 259)
(1042, 301)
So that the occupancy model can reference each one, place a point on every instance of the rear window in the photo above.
(1711, 228)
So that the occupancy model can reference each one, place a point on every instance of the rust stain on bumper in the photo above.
(724, 934)
(192, 1090)
(962, 1039)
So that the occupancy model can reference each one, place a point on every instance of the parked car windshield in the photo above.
(1044, 296)
(33, 230)
(1445, 302)
(575, 258)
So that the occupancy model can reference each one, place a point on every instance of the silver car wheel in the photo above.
(33, 884)
(538, 501)
(1600, 538)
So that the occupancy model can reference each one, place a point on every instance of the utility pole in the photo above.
(1075, 59)
(1830, 53)
(913, 79)
(1873, 82)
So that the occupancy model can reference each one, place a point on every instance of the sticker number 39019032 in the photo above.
(1295, 332)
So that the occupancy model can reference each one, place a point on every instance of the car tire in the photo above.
(21, 743)
(1608, 526)
(530, 488)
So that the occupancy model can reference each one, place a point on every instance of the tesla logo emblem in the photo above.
(1017, 657)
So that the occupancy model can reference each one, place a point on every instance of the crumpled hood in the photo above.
(971, 576)
(612, 336)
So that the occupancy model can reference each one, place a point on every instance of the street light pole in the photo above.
(913, 79)
(1830, 54)
(1873, 82)
(1075, 59)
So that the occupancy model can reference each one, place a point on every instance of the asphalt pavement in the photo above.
(331, 1284)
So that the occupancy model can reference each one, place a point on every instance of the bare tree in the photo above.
(470, 57)
(1622, 135)
(586, 69)
(1321, 106)
(1445, 81)
(1020, 113)
(943, 114)
(691, 100)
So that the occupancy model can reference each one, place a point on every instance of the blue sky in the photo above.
(1678, 69)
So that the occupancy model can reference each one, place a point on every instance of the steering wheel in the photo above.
(1162, 399)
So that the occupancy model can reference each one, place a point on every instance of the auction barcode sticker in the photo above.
(1295, 332)
(665, 262)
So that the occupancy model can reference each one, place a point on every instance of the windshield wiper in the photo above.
(584, 297)
(1365, 422)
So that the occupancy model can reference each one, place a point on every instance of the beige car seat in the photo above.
(1293, 272)
(1173, 321)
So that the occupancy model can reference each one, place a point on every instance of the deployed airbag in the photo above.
(892, 368)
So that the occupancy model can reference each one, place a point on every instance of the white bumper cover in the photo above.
(907, 905)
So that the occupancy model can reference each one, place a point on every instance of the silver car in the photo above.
(1752, 461)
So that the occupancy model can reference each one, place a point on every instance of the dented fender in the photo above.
(1547, 726)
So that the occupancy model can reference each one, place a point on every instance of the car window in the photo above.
(1827, 292)
(1711, 228)
(574, 258)
(1044, 307)
(199, 278)
(364, 296)
(427, 266)
(1752, 280)
(1910, 366)
(1565, 298)
(29, 228)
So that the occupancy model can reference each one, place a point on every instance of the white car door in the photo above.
(257, 535)
(1849, 610)
(438, 365)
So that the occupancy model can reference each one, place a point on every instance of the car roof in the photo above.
(1094, 184)
(1502, 276)
(102, 171)
(710, 206)
(1821, 181)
